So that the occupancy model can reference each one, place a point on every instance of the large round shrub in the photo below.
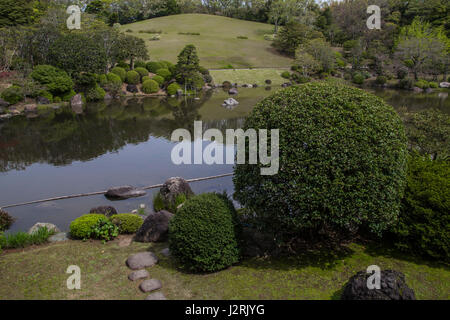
(57, 81)
(120, 72)
(342, 161)
(173, 88)
(203, 234)
(12, 95)
(133, 77)
(165, 73)
(150, 86)
(153, 66)
(358, 78)
(127, 222)
(81, 227)
(158, 79)
(114, 78)
(423, 226)
(142, 71)
(96, 93)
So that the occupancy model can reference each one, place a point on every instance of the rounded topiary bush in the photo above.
(120, 72)
(150, 86)
(127, 222)
(423, 226)
(203, 234)
(12, 95)
(133, 77)
(286, 74)
(81, 227)
(381, 80)
(342, 161)
(114, 78)
(165, 73)
(145, 78)
(158, 79)
(142, 71)
(173, 88)
(96, 93)
(153, 66)
(358, 78)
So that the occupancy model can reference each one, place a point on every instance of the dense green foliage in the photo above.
(342, 157)
(150, 86)
(81, 227)
(203, 234)
(187, 67)
(12, 94)
(23, 239)
(173, 88)
(142, 71)
(133, 77)
(120, 72)
(153, 66)
(5, 220)
(56, 80)
(158, 79)
(127, 222)
(165, 73)
(424, 223)
(104, 230)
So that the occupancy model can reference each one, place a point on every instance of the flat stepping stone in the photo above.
(142, 260)
(165, 252)
(156, 296)
(150, 285)
(139, 274)
(62, 236)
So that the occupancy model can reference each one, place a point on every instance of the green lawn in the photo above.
(217, 43)
(40, 274)
(248, 76)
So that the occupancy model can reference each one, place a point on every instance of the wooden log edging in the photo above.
(103, 192)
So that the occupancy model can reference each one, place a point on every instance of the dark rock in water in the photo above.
(142, 260)
(132, 88)
(150, 285)
(393, 287)
(42, 100)
(233, 91)
(106, 210)
(3, 103)
(255, 85)
(173, 187)
(155, 227)
(268, 81)
(124, 192)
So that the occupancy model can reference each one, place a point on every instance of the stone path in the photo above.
(139, 262)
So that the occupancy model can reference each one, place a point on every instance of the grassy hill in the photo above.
(218, 44)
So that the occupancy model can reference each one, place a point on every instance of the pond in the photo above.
(125, 142)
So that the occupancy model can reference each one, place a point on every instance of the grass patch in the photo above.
(252, 76)
(40, 274)
(23, 239)
(217, 42)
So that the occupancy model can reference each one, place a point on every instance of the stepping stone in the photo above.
(62, 236)
(165, 252)
(156, 296)
(142, 260)
(140, 274)
(150, 285)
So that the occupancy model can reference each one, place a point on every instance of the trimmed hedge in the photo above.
(127, 222)
(12, 95)
(95, 94)
(158, 79)
(150, 86)
(120, 72)
(342, 157)
(165, 73)
(203, 234)
(114, 78)
(133, 77)
(56, 80)
(153, 66)
(424, 223)
(142, 71)
(173, 88)
(81, 227)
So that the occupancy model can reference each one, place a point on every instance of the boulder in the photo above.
(173, 187)
(3, 103)
(61, 236)
(142, 260)
(150, 285)
(105, 210)
(155, 227)
(132, 88)
(124, 192)
(156, 296)
(233, 91)
(230, 102)
(249, 86)
(417, 89)
(444, 85)
(76, 101)
(393, 287)
(30, 107)
(5, 116)
(49, 226)
(139, 274)
(42, 100)
(165, 252)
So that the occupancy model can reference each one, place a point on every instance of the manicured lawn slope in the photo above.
(40, 274)
(217, 43)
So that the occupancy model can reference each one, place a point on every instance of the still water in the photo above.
(123, 142)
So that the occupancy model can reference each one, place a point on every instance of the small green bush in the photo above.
(104, 230)
(165, 73)
(5, 220)
(150, 86)
(158, 79)
(125, 66)
(142, 71)
(57, 99)
(423, 226)
(203, 235)
(114, 78)
(242, 37)
(173, 88)
(340, 62)
(144, 78)
(170, 66)
(13, 94)
(102, 80)
(358, 78)
(381, 80)
(81, 227)
(203, 70)
(45, 94)
(402, 73)
(139, 64)
(67, 96)
(422, 84)
(153, 66)
(286, 74)
(133, 77)
(207, 78)
(127, 222)
(95, 94)
(56, 80)
(433, 85)
(405, 83)
(120, 72)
